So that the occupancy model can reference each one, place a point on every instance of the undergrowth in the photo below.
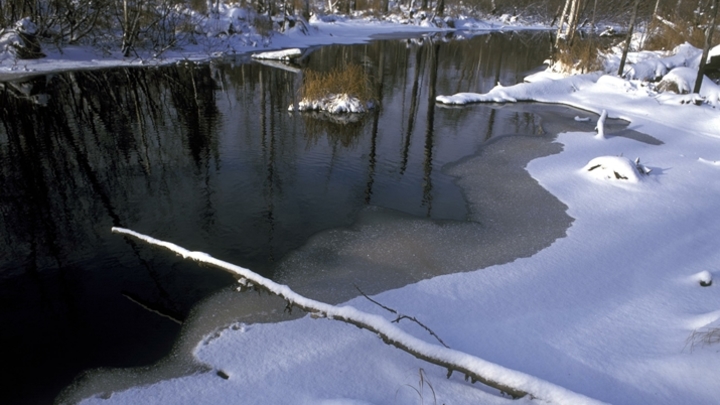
(581, 56)
(705, 337)
(420, 390)
(349, 79)
(666, 35)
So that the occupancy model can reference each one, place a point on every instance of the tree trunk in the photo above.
(563, 16)
(629, 38)
(440, 9)
(706, 49)
(573, 21)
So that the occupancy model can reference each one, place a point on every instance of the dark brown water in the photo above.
(208, 157)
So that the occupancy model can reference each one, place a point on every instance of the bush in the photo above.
(349, 79)
(580, 57)
(665, 35)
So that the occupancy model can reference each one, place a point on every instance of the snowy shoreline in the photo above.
(341, 31)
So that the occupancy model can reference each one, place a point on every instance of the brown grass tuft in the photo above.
(349, 79)
(666, 36)
(705, 337)
(581, 57)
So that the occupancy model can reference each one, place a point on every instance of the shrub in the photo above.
(580, 57)
(705, 337)
(666, 35)
(349, 79)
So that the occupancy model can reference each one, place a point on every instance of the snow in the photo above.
(600, 126)
(603, 315)
(614, 168)
(285, 54)
(704, 278)
(334, 104)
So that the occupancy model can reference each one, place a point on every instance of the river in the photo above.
(206, 155)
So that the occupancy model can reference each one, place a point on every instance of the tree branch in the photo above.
(401, 317)
(511, 382)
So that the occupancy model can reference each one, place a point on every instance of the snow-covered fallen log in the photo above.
(285, 54)
(514, 383)
(532, 91)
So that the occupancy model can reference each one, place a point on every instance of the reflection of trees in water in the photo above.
(261, 95)
(74, 165)
(429, 128)
(344, 129)
(62, 166)
(467, 65)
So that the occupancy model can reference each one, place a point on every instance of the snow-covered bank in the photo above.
(77, 57)
(231, 32)
(604, 312)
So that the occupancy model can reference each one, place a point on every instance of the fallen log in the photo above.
(511, 382)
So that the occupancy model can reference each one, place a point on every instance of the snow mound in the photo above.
(709, 162)
(334, 104)
(681, 80)
(704, 278)
(20, 42)
(650, 70)
(616, 168)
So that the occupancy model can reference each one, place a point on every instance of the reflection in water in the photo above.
(207, 156)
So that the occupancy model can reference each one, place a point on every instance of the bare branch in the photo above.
(511, 382)
(401, 317)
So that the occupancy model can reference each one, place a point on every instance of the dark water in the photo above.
(208, 157)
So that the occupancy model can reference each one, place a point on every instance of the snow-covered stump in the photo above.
(600, 127)
(704, 278)
(511, 382)
(616, 168)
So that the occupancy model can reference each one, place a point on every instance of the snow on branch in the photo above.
(600, 127)
(514, 383)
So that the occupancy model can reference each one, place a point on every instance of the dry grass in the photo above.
(349, 79)
(704, 337)
(581, 57)
(666, 35)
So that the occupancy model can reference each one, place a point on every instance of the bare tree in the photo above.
(563, 17)
(706, 48)
(626, 47)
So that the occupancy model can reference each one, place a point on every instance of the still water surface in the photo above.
(207, 156)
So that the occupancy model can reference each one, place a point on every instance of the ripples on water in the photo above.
(207, 156)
